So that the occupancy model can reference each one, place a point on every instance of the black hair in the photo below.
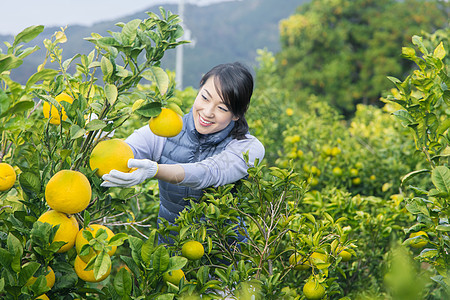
(234, 84)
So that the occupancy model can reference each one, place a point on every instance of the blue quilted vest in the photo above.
(187, 147)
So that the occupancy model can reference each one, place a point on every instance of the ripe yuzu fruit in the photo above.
(110, 155)
(296, 260)
(418, 243)
(192, 250)
(174, 276)
(50, 277)
(313, 290)
(167, 124)
(7, 177)
(88, 276)
(68, 191)
(80, 241)
(67, 231)
(50, 111)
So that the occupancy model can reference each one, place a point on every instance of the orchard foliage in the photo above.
(364, 38)
(424, 97)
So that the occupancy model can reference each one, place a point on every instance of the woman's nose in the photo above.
(209, 110)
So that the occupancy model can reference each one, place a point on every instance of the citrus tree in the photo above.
(424, 99)
(50, 127)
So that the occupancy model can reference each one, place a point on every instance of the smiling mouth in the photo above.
(204, 122)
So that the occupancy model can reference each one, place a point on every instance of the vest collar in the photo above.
(206, 139)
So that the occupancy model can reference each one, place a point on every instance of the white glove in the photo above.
(145, 169)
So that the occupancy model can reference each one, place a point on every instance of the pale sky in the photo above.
(18, 14)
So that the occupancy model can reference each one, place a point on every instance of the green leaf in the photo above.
(129, 31)
(118, 239)
(146, 252)
(5, 258)
(413, 174)
(416, 206)
(28, 51)
(44, 74)
(30, 181)
(441, 179)
(428, 253)
(18, 107)
(439, 52)
(76, 132)
(107, 68)
(160, 259)
(8, 62)
(176, 263)
(123, 282)
(111, 93)
(148, 110)
(445, 227)
(310, 217)
(404, 117)
(95, 125)
(159, 77)
(418, 41)
(16, 250)
(27, 271)
(28, 34)
(102, 264)
(408, 52)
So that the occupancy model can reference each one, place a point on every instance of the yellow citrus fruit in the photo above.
(418, 243)
(67, 231)
(354, 172)
(318, 258)
(192, 250)
(50, 277)
(80, 241)
(43, 297)
(110, 155)
(87, 276)
(174, 276)
(346, 256)
(68, 192)
(167, 124)
(313, 290)
(337, 171)
(297, 260)
(51, 111)
(335, 151)
(356, 181)
(7, 177)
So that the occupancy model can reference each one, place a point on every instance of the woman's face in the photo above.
(210, 112)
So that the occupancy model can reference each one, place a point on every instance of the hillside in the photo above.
(223, 32)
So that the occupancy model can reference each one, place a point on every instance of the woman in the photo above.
(207, 152)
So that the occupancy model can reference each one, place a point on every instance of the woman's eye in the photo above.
(204, 98)
(223, 109)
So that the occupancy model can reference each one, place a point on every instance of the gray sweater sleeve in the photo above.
(145, 144)
(225, 167)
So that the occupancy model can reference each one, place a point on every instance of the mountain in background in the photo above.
(222, 32)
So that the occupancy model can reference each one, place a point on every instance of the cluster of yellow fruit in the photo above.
(192, 250)
(313, 289)
(69, 192)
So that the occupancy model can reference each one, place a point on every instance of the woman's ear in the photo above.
(235, 118)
